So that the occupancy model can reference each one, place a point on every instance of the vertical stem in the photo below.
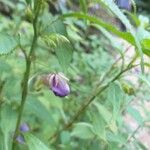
(27, 73)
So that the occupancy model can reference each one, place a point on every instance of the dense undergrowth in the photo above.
(74, 74)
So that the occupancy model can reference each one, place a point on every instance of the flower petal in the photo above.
(24, 127)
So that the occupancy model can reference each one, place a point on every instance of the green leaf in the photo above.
(134, 18)
(28, 1)
(104, 112)
(135, 114)
(146, 46)
(63, 48)
(117, 138)
(99, 126)
(125, 35)
(7, 43)
(34, 106)
(65, 137)
(115, 97)
(34, 143)
(144, 37)
(107, 116)
(83, 130)
(64, 54)
(55, 25)
(7, 124)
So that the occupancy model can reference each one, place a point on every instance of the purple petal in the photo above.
(20, 139)
(59, 86)
(124, 4)
(24, 127)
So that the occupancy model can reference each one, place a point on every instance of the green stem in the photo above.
(83, 107)
(134, 6)
(26, 75)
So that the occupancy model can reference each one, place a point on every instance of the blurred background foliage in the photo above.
(89, 55)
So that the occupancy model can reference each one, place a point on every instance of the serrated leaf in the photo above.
(7, 43)
(34, 143)
(83, 130)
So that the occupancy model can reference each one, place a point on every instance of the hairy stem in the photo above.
(27, 74)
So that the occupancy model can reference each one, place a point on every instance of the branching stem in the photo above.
(27, 73)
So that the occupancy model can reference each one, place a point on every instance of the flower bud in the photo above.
(59, 85)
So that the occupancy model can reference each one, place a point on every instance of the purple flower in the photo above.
(23, 128)
(59, 85)
(124, 4)
(20, 139)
